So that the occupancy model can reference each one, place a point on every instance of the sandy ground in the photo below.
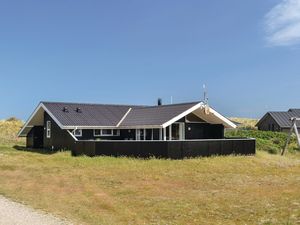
(13, 213)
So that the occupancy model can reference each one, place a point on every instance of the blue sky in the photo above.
(132, 52)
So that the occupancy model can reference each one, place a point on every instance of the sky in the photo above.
(247, 53)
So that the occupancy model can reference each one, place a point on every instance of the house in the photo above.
(83, 127)
(278, 121)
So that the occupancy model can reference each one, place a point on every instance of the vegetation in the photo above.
(245, 123)
(272, 142)
(261, 189)
(8, 131)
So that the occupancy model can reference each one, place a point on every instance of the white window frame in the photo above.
(107, 135)
(118, 132)
(77, 135)
(97, 135)
(138, 134)
(48, 129)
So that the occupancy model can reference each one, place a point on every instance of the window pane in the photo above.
(48, 131)
(116, 132)
(78, 132)
(97, 132)
(106, 132)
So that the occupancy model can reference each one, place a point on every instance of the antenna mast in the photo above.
(205, 98)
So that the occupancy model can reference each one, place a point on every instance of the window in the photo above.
(97, 132)
(116, 132)
(77, 133)
(106, 132)
(48, 129)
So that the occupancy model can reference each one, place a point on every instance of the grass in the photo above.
(8, 131)
(245, 122)
(261, 189)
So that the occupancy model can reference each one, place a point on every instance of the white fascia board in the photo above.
(52, 116)
(72, 135)
(142, 127)
(88, 127)
(29, 119)
(112, 127)
(224, 119)
(40, 105)
(190, 110)
(123, 118)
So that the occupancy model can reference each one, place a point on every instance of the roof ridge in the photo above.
(169, 105)
(283, 112)
(94, 104)
(278, 112)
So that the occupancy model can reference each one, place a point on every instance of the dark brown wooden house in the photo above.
(83, 127)
(278, 121)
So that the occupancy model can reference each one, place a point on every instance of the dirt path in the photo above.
(12, 213)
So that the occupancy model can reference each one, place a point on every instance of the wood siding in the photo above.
(60, 139)
(268, 124)
(35, 137)
(166, 149)
(203, 131)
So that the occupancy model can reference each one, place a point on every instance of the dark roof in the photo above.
(156, 115)
(283, 119)
(90, 115)
(110, 115)
(295, 111)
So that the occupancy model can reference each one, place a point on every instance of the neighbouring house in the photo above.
(102, 129)
(278, 121)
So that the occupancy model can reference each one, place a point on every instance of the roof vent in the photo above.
(78, 110)
(65, 109)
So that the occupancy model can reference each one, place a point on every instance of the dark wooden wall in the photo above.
(60, 139)
(165, 149)
(35, 137)
(268, 123)
(204, 131)
(29, 139)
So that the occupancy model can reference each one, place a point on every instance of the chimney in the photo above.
(159, 101)
(78, 110)
(65, 109)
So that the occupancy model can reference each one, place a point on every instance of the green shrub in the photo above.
(12, 119)
(268, 141)
(272, 149)
(276, 141)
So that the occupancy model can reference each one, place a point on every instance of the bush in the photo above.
(268, 141)
(12, 119)
(272, 150)
(276, 141)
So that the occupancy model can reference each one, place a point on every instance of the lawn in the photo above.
(261, 189)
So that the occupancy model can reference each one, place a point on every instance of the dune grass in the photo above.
(245, 122)
(8, 132)
(261, 189)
